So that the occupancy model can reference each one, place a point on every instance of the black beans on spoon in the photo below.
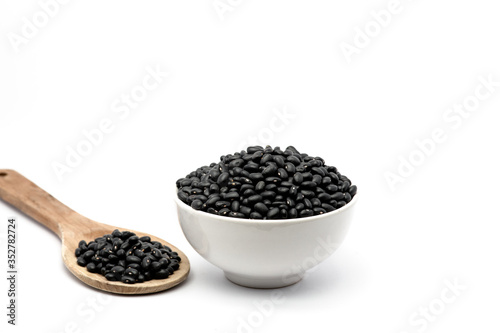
(266, 183)
(117, 256)
(72, 227)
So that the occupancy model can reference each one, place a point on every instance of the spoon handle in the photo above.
(24, 195)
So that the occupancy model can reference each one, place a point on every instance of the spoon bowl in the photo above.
(72, 227)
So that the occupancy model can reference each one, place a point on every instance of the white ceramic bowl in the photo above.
(265, 253)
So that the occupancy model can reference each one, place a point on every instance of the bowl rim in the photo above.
(267, 222)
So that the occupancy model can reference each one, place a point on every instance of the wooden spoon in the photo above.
(72, 227)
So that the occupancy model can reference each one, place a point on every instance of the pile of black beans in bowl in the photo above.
(266, 183)
(124, 256)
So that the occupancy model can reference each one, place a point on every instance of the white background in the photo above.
(227, 79)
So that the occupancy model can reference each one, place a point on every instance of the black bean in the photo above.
(306, 213)
(327, 207)
(353, 190)
(256, 176)
(118, 270)
(211, 201)
(80, 261)
(308, 185)
(298, 178)
(292, 213)
(338, 196)
(345, 186)
(138, 253)
(236, 214)
(155, 266)
(294, 159)
(133, 259)
(290, 167)
(235, 206)
(196, 204)
(256, 216)
(270, 170)
(332, 188)
(320, 171)
(347, 197)
(251, 167)
(260, 186)
(261, 208)
(248, 193)
(319, 210)
(307, 175)
(127, 279)
(275, 180)
(345, 179)
(233, 185)
(324, 197)
(307, 203)
(111, 277)
(267, 157)
(148, 276)
(316, 202)
(273, 213)
(307, 193)
(341, 204)
(254, 199)
(91, 267)
(317, 179)
(83, 245)
(279, 160)
(162, 274)
(245, 211)
(232, 196)
(271, 187)
(214, 188)
(223, 179)
(245, 187)
(254, 149)
(282, 173)
(222, 204)
(88, 254)
(282, 190)
(183, 196)
(334, 177)
(257, 155)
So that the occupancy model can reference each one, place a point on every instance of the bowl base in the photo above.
(262, 282)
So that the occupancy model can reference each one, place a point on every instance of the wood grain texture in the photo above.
(72, 227)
